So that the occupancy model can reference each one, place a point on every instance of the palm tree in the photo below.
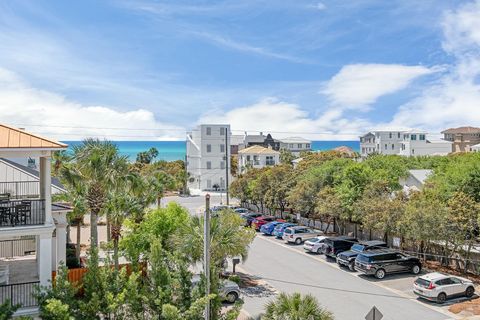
(295, 307)
(120, 205)
(160, 182)
(97, 165)
(228, 237)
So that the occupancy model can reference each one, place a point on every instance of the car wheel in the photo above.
(231, 297)
(298, 241)
(441, 298)
(416, 269)
(469, 292)
(319, 250)
(351, 266)
(380, 274)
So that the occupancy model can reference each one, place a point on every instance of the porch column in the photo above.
(46, 187)
(61, 237)
(45, 259)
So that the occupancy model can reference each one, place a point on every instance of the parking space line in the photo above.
(378, 284)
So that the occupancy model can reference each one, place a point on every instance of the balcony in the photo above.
(19, 294)
(14, 213)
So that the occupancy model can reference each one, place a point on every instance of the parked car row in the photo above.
(372, 258)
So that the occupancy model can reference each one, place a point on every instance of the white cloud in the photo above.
(321, 6)
(52, 115)
(360, 85)
(455, 99)
(286, 119)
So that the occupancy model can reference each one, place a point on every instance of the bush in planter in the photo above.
(72, 260)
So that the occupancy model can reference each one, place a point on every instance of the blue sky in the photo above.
(322, 69)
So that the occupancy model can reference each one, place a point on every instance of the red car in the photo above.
(260, 221)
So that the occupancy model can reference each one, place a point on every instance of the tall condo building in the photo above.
(208, 157)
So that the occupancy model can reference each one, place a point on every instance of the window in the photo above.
(209, 148)
(256, 161)
(307, 145)
(421, 137)
(209, 165)
(209, 183)
(222, 164)
(393, 146)
(386, 146)
(269, 161)
(399, 135)
(222, 131)
(290, 145)
(209, 131)
(222, 148)
(390, 135)
(248, 158)
(299, 146)
(363, 150)
(413, 137)
(413, 151)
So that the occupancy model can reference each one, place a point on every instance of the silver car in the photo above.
(315, 245)
(299, 234)
(229, 291)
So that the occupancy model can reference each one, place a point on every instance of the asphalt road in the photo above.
(345, 294)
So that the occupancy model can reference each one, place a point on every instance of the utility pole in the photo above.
(206, 253)
(226, 166)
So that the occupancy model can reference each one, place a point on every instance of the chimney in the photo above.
(261, 133)
(22, 129)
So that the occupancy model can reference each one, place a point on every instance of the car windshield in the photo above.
(358, 247)
(422, 282)
(314, 240)
(362, 258)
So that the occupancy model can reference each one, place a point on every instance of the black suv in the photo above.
(347, 258)
(380, 262)
(335, 245)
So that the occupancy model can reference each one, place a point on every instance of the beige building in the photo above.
(462, 138)
(257, 157)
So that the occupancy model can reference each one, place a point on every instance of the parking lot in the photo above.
(347, 294)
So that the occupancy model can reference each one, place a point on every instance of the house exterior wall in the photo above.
(206, 163)
(256, 160)
(12, 174)
(462, 142)
(417, 144)
(382, 142)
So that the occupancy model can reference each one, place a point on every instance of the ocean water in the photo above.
(175, 150)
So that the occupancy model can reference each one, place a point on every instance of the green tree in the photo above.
(96, 165)
(295, 307)
(286, 157)
(280, 181)
(159, 224)
(7, 310)
(146, 157)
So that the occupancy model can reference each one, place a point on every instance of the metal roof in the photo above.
(13, 138)
(258, 150)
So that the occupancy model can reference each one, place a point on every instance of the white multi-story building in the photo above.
(415, 143)
(381, 141)
(295, 145)
(31, 226)
(257, 157)
(208, 157)
(402, 142)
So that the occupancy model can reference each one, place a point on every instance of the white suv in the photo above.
(299, 234)
(439, 287)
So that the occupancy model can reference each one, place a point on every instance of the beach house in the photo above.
(32, 229)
